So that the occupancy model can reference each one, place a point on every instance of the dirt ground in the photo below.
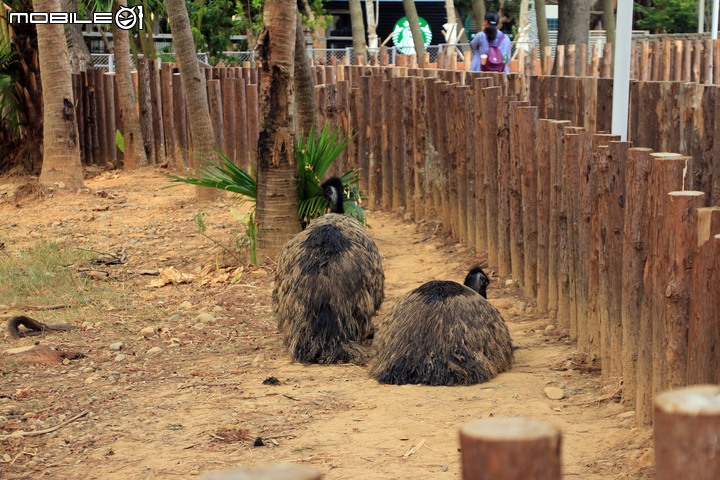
(187, 395)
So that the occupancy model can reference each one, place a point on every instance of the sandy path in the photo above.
(168, 416)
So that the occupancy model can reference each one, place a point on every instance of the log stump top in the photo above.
(284, 471)
(509, 429)
(694, 400)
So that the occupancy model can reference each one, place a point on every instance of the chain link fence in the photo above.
(106, 61)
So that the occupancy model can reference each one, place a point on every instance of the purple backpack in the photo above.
(495, 61)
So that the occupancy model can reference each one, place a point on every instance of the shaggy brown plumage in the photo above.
(328, 285)
(441, 333)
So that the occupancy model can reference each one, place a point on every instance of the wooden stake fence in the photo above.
(581, 221)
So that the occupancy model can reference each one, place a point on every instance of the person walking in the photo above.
(491, 47)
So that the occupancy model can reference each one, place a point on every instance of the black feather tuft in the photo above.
(440, 290)
(324, 245)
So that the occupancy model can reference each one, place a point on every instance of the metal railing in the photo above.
(106, 61)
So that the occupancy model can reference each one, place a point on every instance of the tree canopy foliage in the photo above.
(669, 16)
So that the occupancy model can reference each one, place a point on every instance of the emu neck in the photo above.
(336, 201)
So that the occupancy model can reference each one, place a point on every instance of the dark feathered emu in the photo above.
(328, 285)
(443, 333)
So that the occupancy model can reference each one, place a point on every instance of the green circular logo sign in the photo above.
(402, 36)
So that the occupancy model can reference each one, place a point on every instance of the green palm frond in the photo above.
(315, 154)
(225, 176)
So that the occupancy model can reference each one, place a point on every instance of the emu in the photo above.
(443, 333)
(328, 285)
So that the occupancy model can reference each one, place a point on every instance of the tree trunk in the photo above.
(543, 34)
(201, 129)
(306, 101)
(358, 28)
(134, 155)
(372, 10)
(61, 147)
(478, 13)
(573, 21)
(609, 20)
(25, 148)
(452, 28)
(276, 208)
(80, 59)
(413, 20)
(314, 29)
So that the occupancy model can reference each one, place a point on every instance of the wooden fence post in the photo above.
(461, 171)
(677, 73)
(685, 433)
(229, 111)
(180, 121)
(528, 120)
(364, 131)
(111, 146)
(557, 221)
(656, 60)
(157, 113)
(396, 159)
(145, 105)
(420, 122)
(486, 100)
(515, 191)
(704, 329)
(89, 108)
(375, 171)
(215, 102)
(586, 268)
(669, 172)
(510, 448)
(408, 141)
(560, 60)
(637, 176)
(610, 198)
(242, 146)
(285, 471)
(253, 125)
(168, 114)
(681, 221)
(103, 147)
(467, 169)
(504, 131)
(475, 194)
(572, 152)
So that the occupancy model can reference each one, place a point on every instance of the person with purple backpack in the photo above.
(491, 47)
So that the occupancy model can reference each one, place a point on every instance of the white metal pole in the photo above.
(713, 36)
(621, 77)
(701, 16)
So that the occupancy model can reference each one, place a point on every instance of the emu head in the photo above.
(477, 280)
(333, 191)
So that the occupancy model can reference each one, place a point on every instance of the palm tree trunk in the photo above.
(305, 100)
(135, 155)
(201, 129)
(413, 20)
(276, 191)
(80, 59)
(61, 147)
(358, 29)
(25, 151)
